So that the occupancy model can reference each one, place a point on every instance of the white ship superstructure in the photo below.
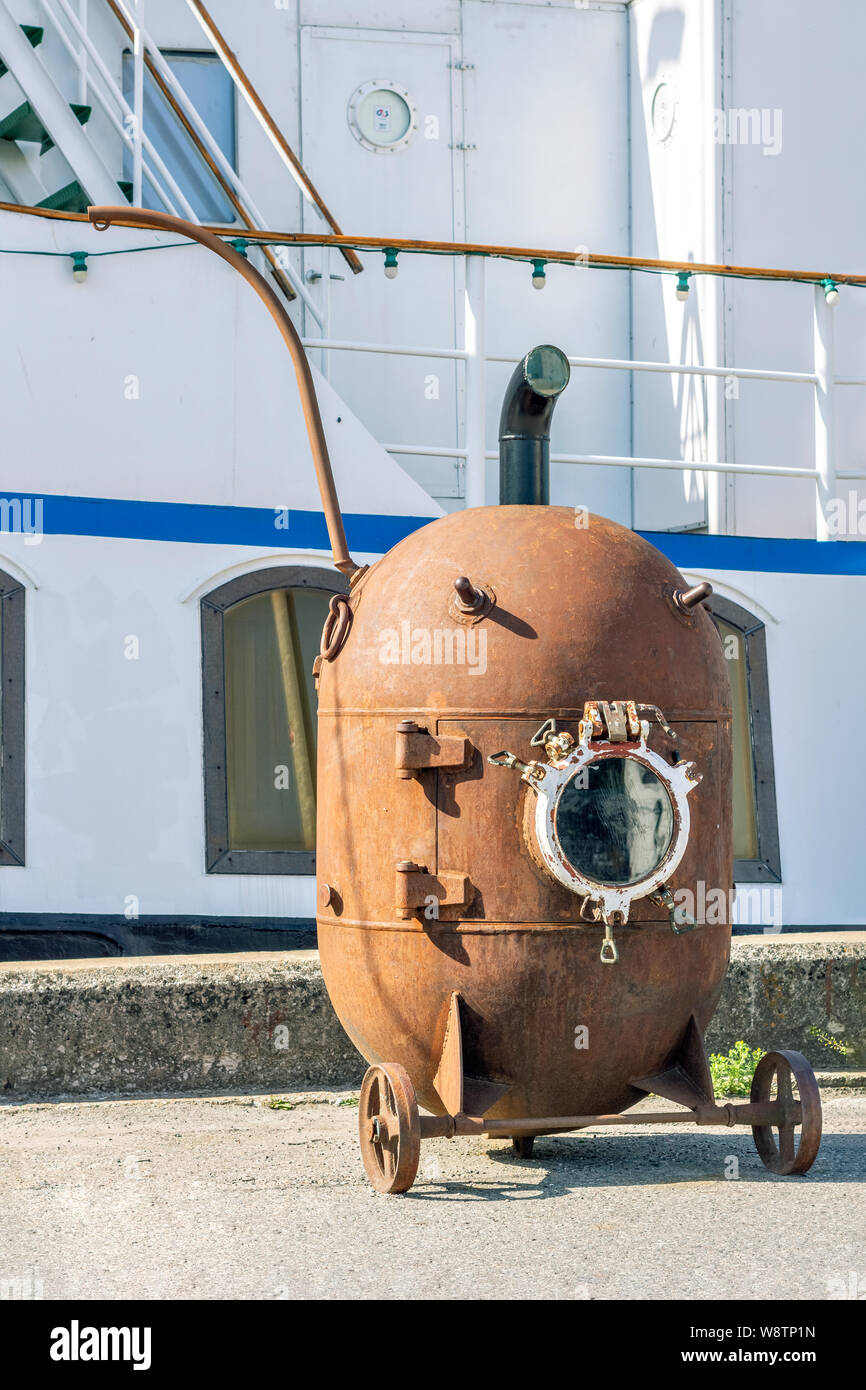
(656, 188)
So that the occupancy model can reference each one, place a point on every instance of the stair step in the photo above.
(24, 124)
(73, 198)
(32, 32)
(82, 112)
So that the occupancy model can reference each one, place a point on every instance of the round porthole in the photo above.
(614, 821)
(381, 116)
(664, 108)
(611, 821)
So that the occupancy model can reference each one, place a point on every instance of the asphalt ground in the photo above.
(203, 1198)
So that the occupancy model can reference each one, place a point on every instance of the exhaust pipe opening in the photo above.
(524, 426)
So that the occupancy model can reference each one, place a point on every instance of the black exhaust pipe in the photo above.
(524, 426)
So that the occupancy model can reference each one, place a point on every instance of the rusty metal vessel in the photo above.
(440, 916)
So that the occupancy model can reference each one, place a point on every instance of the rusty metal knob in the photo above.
(469, 599)
(326, 895)
(690, 598)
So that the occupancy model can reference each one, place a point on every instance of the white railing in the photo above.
(138, 102)
(473, 453)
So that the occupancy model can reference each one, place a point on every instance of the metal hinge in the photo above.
(460, 66)
(617, 720)
(415, 888)
(418, 749)
(463, 147)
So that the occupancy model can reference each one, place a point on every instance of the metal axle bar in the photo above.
(771, 1113)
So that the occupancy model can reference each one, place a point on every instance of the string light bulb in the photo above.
(539, 279)
(831, 291)
(682, 285)
(391, 267)
(240, 245)
(79, 266)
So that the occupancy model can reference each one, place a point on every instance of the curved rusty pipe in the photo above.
(102, 217)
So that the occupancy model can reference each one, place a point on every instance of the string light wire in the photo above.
(534, 262)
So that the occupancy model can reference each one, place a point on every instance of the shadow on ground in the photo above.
(572, 1162)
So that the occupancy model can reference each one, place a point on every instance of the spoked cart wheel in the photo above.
(775, 1077)
(389, 1127)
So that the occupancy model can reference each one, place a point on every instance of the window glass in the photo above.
(211, 91)
(745, 810)
(271, 641)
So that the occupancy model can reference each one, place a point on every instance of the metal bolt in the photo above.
(690, 598)
(469, 599)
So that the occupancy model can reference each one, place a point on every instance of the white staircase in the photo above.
(46, 157)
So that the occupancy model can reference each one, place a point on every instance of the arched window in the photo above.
(756, 828)
(11, 720)
(260, 635)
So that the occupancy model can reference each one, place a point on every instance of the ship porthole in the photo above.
(382, 116)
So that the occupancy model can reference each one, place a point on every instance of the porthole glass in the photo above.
(381, 116)
(615, 821)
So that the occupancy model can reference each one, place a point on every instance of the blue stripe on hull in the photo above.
(203, 524)
(769, 555)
